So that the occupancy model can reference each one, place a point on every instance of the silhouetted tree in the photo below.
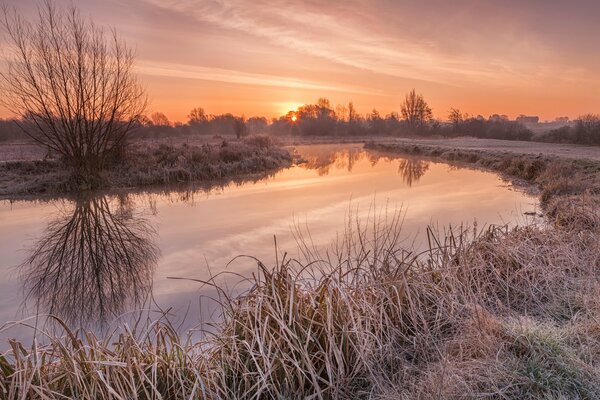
(197, 117)
(352, 114)
(256, 125)
(316, 119)
(239, 127)
(9, 130)
(415, 110)
(341, 112)
(587, 129)
(159, 119)
(376, 124)
(455, 116)
(72, 87)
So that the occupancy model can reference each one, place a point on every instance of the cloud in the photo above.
(334, 34)
(173, 70)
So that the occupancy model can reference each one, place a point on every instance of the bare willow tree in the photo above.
(72, 85)
(415, 110)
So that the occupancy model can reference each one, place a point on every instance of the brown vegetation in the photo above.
(151, 164)
(501, 313)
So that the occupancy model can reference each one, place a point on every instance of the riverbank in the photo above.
(565, 185)
(570, 151)
(499, 313)
(151, 164)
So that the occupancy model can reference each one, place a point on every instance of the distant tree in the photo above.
(324, 103)
(352, 114)
(498, 118)
(239, 127)
(256, 125)
(315, 119)
(197, 117)
(72, 87)
(415, 110)
(393, 116)
(145, 121)
(455, 117)
(9, 130)
(376, 124)
(159, 119)
(587, 129)
(341, 112)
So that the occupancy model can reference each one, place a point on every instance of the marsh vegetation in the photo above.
(478, 312)
(151, 164)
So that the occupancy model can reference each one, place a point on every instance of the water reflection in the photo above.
(96, 259)
(93, 260)
(412, 170)
(323, 159)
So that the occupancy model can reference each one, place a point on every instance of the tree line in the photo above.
(414, 119)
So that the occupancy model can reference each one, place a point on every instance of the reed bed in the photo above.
(494, 313)
(151, 164)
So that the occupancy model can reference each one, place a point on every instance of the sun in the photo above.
(294, 118)
(287, 106)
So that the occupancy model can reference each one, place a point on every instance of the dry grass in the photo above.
(502, 313)
(148, 164)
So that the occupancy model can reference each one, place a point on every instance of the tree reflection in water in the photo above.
(412, 170)
(323, 158)
(92, 262)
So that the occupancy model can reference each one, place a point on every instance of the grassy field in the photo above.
(500, 313)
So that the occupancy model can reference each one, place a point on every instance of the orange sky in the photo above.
(260, 57)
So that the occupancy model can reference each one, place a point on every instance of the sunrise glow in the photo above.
(248, 57)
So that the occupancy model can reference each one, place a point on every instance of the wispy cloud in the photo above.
(335, 34)
(239, 77)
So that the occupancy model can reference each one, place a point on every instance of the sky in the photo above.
(267, 57)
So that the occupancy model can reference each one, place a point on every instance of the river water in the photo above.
(98, 260)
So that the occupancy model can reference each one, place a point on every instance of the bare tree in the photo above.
(415, 110)
(197, 116)
(587, 129)
(72, 85)
(352, 114)
(455, 116)
(160, 119)
(239, 126)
